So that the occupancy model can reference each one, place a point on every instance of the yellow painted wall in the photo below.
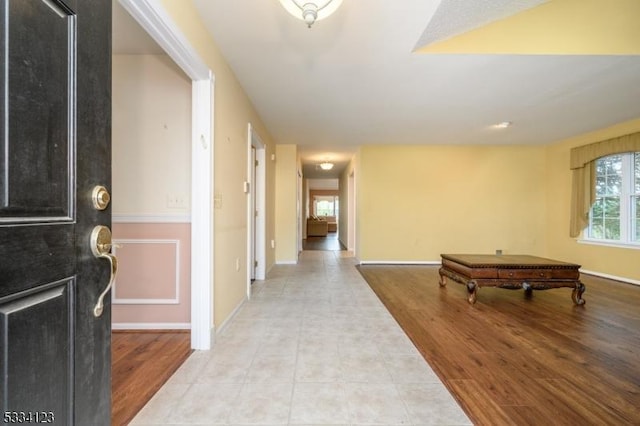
(286, 204)
(618, 262)
(416, 202)
(232, 112)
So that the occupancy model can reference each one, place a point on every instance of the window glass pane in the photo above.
(324, 208)
(614, 184)
(636, 219)
(597, 210)
(612, 208)
(609, 175)
(613, 164)
(601, 184)
(612, 218)
(596, 230)
(637, 172)
(596, 219)
(611, 229)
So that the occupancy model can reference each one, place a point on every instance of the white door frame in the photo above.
(299, 216)
(155, 20)
(257, 246)
(351, 212)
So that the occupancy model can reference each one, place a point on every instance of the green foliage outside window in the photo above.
(605, 219)
(615, 214)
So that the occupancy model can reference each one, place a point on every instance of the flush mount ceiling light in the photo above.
(502, 125)
(311, 11)
(326, 165)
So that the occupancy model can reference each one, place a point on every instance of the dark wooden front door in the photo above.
(55, 148)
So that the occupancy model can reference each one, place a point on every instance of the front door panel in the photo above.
(36, 329)
(54, 148)
(37, 147)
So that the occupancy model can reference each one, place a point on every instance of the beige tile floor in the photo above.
(313, 346)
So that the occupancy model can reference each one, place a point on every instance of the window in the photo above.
(326, 205)
(615, 214)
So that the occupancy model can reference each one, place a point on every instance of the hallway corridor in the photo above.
(314, 345)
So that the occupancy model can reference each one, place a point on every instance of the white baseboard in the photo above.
(151, 326)
(287, 262)
(230, 318)
(611, 277)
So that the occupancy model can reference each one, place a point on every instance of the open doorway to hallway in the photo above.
(322, 207)
(182, 154)
(256, 208)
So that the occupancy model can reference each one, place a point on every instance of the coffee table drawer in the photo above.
(540, 274)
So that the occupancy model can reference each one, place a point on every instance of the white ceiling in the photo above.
(353, 78)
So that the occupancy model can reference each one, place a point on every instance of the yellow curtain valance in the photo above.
(582, 155)
(582, 163)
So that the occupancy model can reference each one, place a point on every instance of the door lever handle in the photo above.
(97, 310)
(101, 248)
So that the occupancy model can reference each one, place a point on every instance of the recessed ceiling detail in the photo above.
(454, 17)
(557, 27)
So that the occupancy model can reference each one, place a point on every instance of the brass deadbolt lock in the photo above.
(100, 197)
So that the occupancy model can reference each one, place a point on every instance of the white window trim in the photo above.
(609, 243)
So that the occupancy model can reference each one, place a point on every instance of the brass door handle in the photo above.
(101, 248)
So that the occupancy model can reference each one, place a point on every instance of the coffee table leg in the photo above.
(576, 294)
(443, 279)
(472, 289)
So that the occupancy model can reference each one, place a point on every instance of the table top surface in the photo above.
(506, 261)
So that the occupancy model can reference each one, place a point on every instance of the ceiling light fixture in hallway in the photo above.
(311, 11)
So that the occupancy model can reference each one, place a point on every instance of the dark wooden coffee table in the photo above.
(510, 272)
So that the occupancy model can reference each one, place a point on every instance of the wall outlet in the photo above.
(273, 244)
(177, 201)
(499, 251)
(181, 201)
(237, 264)
(217, 201)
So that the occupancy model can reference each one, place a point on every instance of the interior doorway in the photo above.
(156, 23)
(256, 214)
(323, 201)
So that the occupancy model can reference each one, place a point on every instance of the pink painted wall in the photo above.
(153, 285)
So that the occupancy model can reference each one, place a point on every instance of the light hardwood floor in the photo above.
(142, 361)
(512, 360)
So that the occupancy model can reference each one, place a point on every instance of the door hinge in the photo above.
(256, 213)
(255, 263)
(257, 163)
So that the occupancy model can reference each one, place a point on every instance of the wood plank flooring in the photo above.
(516, 360)
(330, 242)
(142, 361)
